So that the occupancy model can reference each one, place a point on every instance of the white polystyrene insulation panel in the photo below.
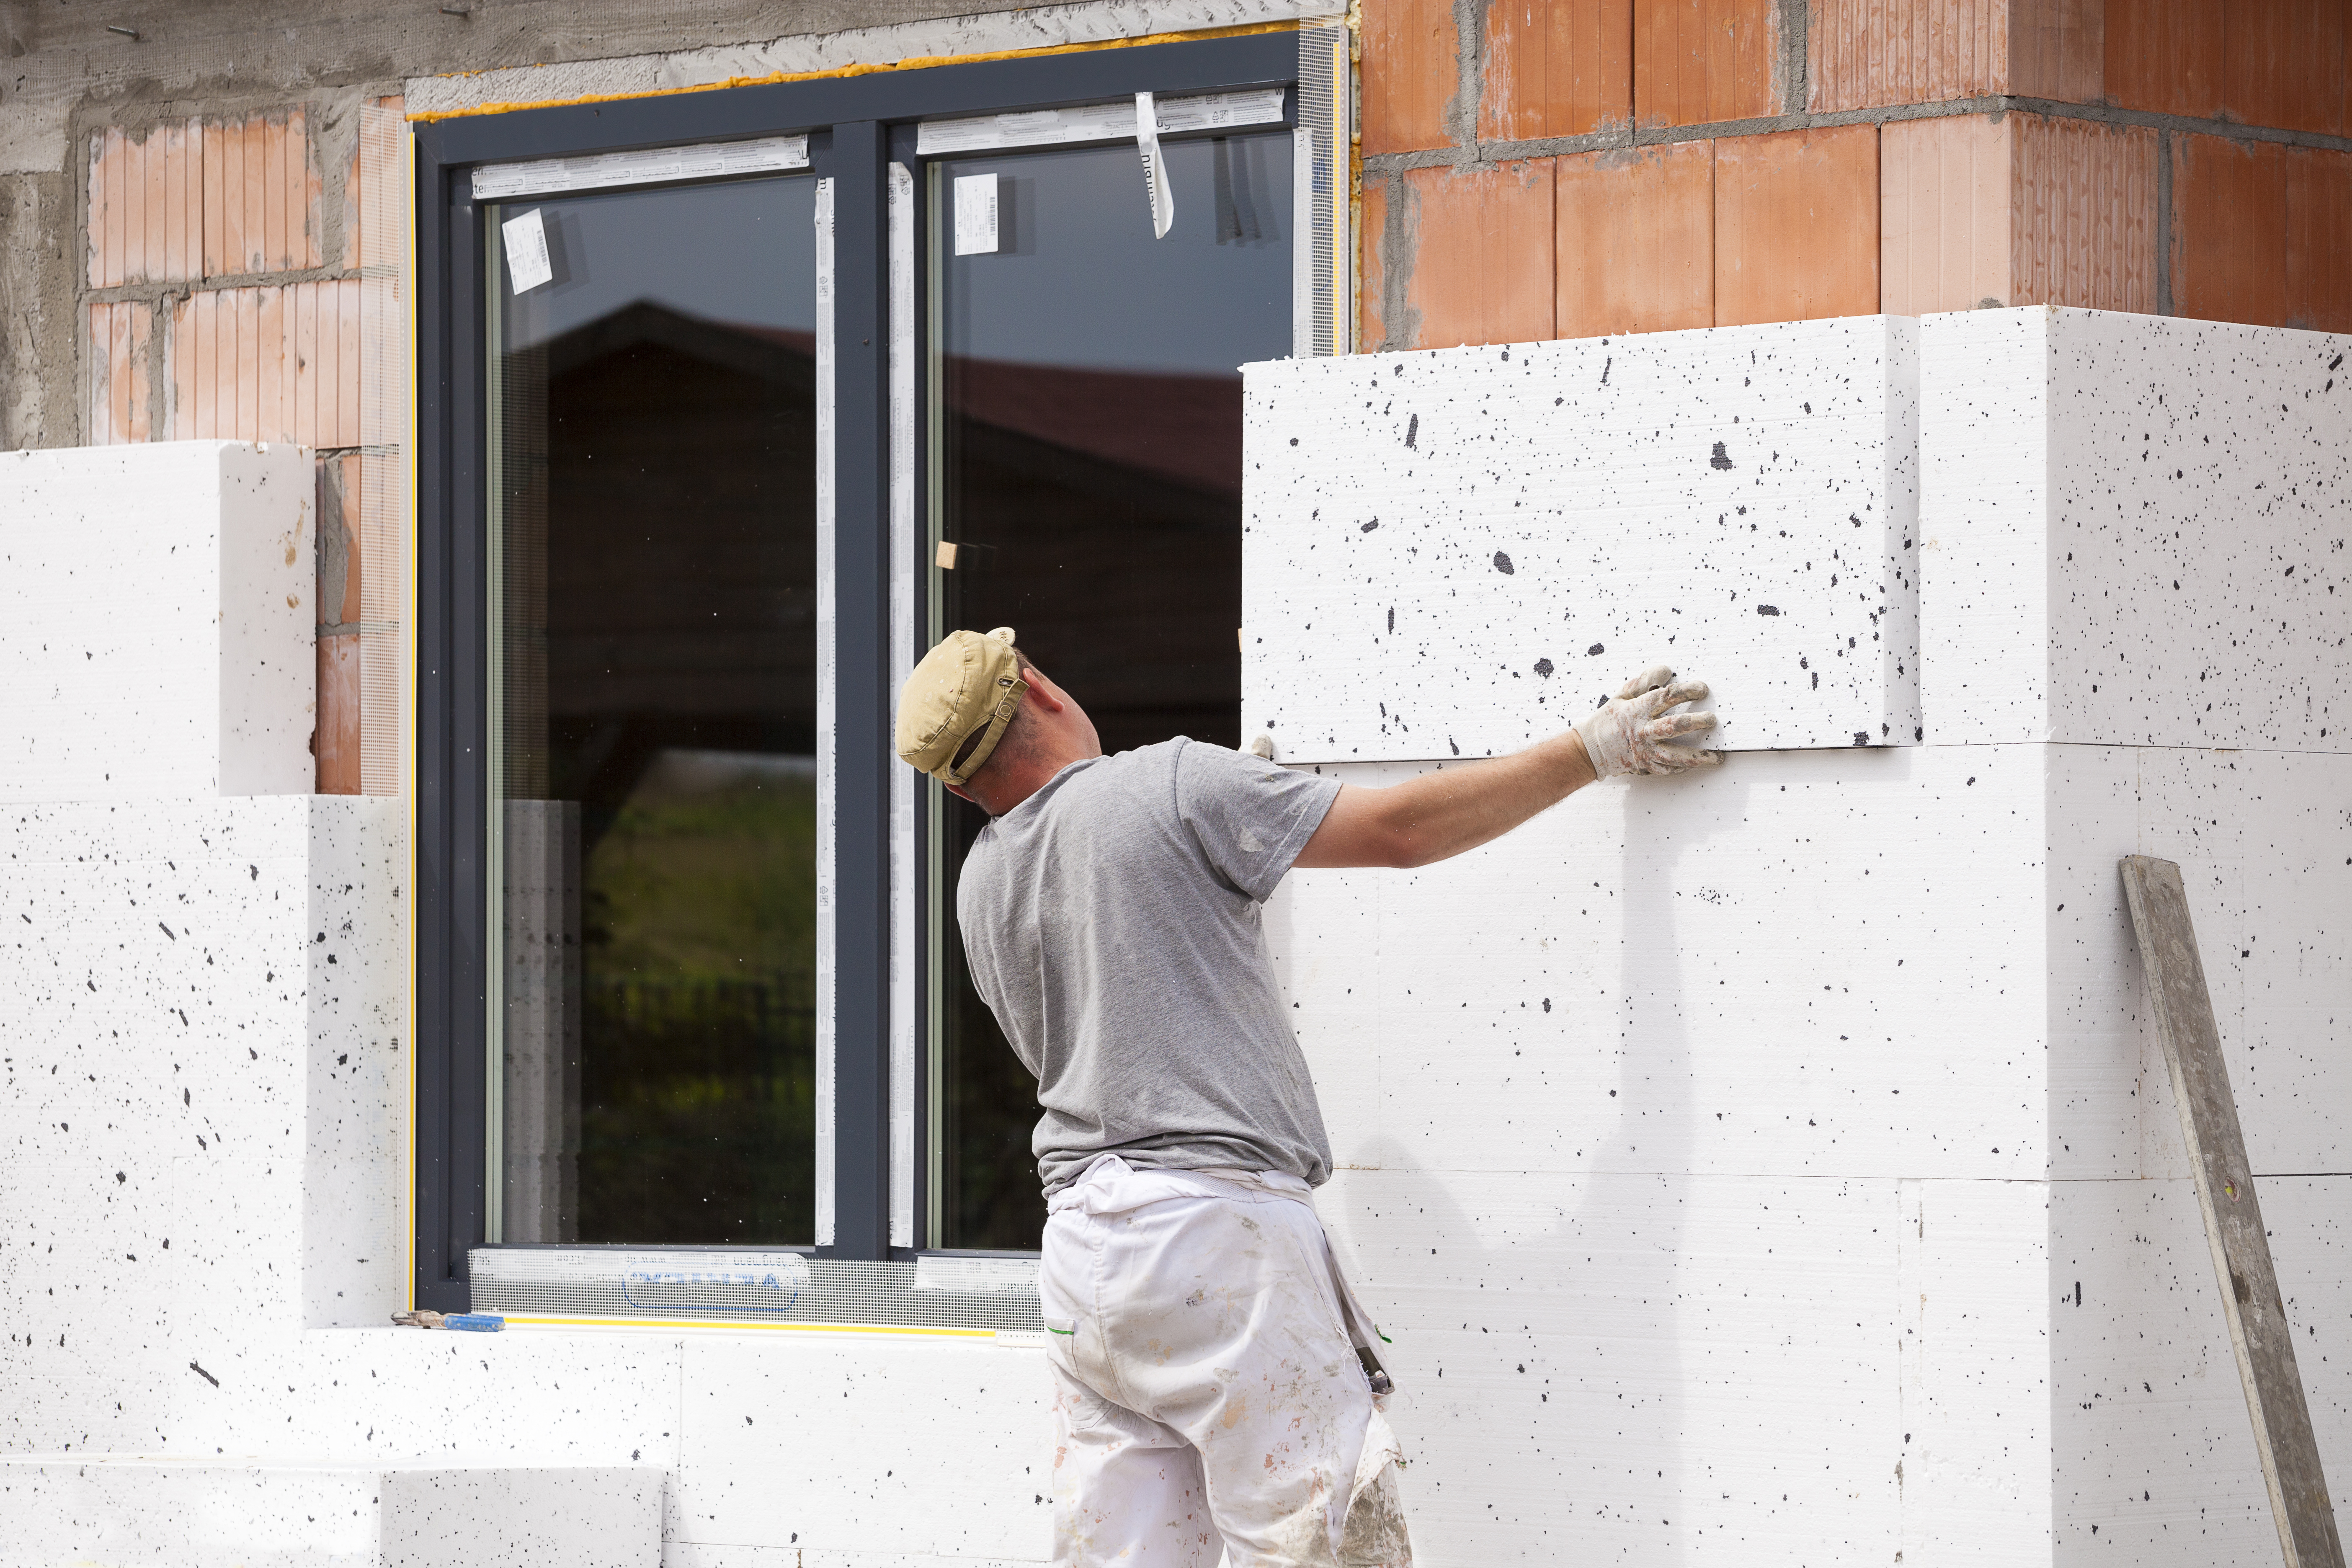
(1455, 553)
(157, 634)
(2136, 530)
(231, 1513)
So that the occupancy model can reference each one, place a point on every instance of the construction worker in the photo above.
(1216, 1382)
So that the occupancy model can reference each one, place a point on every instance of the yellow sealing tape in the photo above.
(914, 62)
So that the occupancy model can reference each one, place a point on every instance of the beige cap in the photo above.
(955, 706)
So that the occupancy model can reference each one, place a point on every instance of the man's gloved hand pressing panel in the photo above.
(1630, 733)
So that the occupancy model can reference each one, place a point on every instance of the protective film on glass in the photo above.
(1087, 419)
(653, 732)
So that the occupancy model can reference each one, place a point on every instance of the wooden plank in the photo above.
(2259, 1330)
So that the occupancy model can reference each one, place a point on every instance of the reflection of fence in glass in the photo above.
(697, 1110)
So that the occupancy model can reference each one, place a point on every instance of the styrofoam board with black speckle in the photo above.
(2137, 530)
(1457, 552)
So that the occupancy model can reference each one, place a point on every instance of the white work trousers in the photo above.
(1207, 1393)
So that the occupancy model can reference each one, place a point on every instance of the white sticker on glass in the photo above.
(527, 266)
(1155, 167)
(975, 214)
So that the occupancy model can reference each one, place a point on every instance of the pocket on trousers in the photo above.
(1064, 1328)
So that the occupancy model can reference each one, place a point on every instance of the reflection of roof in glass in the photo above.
(1170, 423)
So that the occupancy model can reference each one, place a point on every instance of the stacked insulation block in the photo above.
(1776, 1164)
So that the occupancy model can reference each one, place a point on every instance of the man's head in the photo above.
(976, 715)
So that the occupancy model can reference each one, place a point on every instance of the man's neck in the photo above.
(1002, 796)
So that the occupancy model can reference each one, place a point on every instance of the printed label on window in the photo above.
(975, 214)
(527, 266)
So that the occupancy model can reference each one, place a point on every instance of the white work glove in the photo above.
(1629, 733)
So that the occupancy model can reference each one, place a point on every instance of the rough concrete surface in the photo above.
(36, 307)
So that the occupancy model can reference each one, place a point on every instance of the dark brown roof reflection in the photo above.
(1171, 424)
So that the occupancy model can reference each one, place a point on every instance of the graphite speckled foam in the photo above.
(1455, 553)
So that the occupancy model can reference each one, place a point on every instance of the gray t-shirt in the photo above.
(1112, 921)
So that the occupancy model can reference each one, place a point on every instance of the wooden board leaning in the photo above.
(2259, 1332)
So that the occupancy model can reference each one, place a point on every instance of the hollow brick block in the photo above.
(1944, 212)
(1796, 225)
(336, 740)
(117, 342)
(1867, 54)
(2229, 230)
(267, 364)
(1482, 257)
(145, 205)
(2025, 210)
(2261, 233)
(2282, 63)
(1557, 68)
(2319, 239)
(1697, 61)
(2165, 56)
(1636, 241)
(260, 196)
(1410, 74)
(2057, 50)
(2082, 229)
(1864, 54)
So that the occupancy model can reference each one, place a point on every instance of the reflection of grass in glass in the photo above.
(698, 1100)
(708, 886)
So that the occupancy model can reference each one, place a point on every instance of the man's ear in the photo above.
(1044, 692)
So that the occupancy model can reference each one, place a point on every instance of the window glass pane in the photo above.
(1088, 410)
(653, 614)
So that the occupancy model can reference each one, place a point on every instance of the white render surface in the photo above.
(156, 629)
(1453, 553)
(2122, 511)
(197, 1513)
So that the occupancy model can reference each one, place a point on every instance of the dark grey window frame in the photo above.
(857, 126)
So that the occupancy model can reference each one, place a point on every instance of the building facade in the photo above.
(603, 405)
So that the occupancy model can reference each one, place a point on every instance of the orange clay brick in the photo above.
(2319, 239)
(1701, 60)
(2229, 230)
(2165, 56)
(1945, 213)
(1862, 54)
(2084, 229)
(267, 364)
(1482, 261)
(336, 741)
(2057, 50)
(1636, 241)
(2282, 63)
(117, 341)
(1796, 225)
(1557, 68)
(1410, 74)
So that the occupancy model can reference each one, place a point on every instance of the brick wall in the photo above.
(242, 282)
(1573, 168)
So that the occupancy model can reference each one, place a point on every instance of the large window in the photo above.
(652, 587)
(1088, 406)
(731, 403)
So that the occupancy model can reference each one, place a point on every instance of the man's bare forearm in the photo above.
(1455, 809)
(1444, 813)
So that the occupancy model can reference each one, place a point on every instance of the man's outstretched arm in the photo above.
(1442, 813)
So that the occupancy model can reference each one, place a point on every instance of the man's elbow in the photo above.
(1399, 848)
